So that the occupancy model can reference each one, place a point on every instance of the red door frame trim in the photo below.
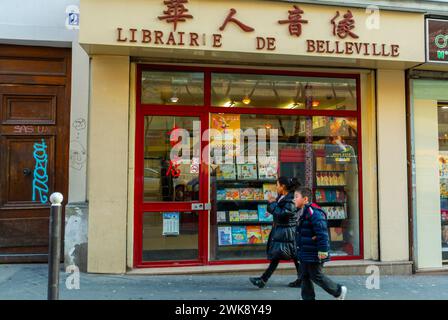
(203, 112)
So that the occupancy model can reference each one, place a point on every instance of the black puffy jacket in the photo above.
(282, 239)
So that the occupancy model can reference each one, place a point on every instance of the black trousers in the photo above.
(312, 272)
(273, 266)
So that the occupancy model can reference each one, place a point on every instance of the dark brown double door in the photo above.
(34, 146)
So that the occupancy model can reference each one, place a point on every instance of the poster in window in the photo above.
(170, 224)
(338, 150)
(226, 125)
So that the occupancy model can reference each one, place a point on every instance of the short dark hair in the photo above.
(290, 183)
(305, 192)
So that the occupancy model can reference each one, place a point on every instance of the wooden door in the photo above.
(34, 146)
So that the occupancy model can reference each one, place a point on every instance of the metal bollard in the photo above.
(54, 251)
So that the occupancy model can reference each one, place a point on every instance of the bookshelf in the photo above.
(240, 222)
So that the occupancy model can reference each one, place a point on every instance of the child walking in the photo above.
(281, 243)
(313, 246)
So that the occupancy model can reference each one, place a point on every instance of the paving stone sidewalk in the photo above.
(29, 282)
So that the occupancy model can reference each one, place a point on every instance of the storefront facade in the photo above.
(428, 104)
(321, 89)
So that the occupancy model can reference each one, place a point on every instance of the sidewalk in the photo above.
(30, 282)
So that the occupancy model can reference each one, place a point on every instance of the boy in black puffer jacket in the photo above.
(313, 246)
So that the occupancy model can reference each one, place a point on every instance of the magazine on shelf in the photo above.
(247, 194)
(224, 236)
(221, 216)
(258, 194)
(267, 168)
(239, 235)
(252, 215)
(232, 194)
(263, 214)
(254, 234)
(226, 172)
(247, 171)
(221, 194)
(234, 216)
(244, 215)
(265, 231)
(269, 190)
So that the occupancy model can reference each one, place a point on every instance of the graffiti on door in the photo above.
(40, 176)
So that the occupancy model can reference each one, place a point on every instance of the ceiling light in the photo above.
(246, 100)
(315, 103)
(174, 99)
(229, 104)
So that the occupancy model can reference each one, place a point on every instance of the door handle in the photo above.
(26, 172)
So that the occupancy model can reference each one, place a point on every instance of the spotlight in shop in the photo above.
(246, 100)
(229, 104)
(315, 103)
(174, 99)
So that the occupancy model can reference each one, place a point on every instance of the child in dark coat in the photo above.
(313, 246)
(282, 239)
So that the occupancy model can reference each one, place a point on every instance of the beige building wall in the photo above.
(427, 218)
(392, 166)
(108, 164)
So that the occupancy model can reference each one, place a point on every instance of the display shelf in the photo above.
(242, 201)
(335, 171)
(243, 245)
(243, 223)
(244, 181)
(329, 187)
(332, 203)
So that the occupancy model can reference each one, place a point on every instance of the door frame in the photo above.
(51, 78)
(141, 207)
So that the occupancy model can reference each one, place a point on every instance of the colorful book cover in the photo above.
(221, 194)
(226, 172)
(239, 235)
(247, 194)
(234, 216)
(267, 168)
(221, 216)
(224, 236)
(269, 190)
(320, 195)
(232, 194)
(265, 231)
(263, 214)
(254, 234)
(247, 172)
(258, 194)
(244, 215)
(252, 215)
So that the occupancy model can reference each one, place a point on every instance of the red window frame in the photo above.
(204, 111)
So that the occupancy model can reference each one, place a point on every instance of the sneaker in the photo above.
(295, 284)
(258, 282)
(343, 293)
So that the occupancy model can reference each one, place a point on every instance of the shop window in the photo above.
(322, 152)
(282, 92)
(165, 178)
(172, 88)
(443, 170)
(169, 236)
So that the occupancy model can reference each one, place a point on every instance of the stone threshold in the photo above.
(341, 267)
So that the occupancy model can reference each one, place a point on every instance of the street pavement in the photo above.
(29, 282)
